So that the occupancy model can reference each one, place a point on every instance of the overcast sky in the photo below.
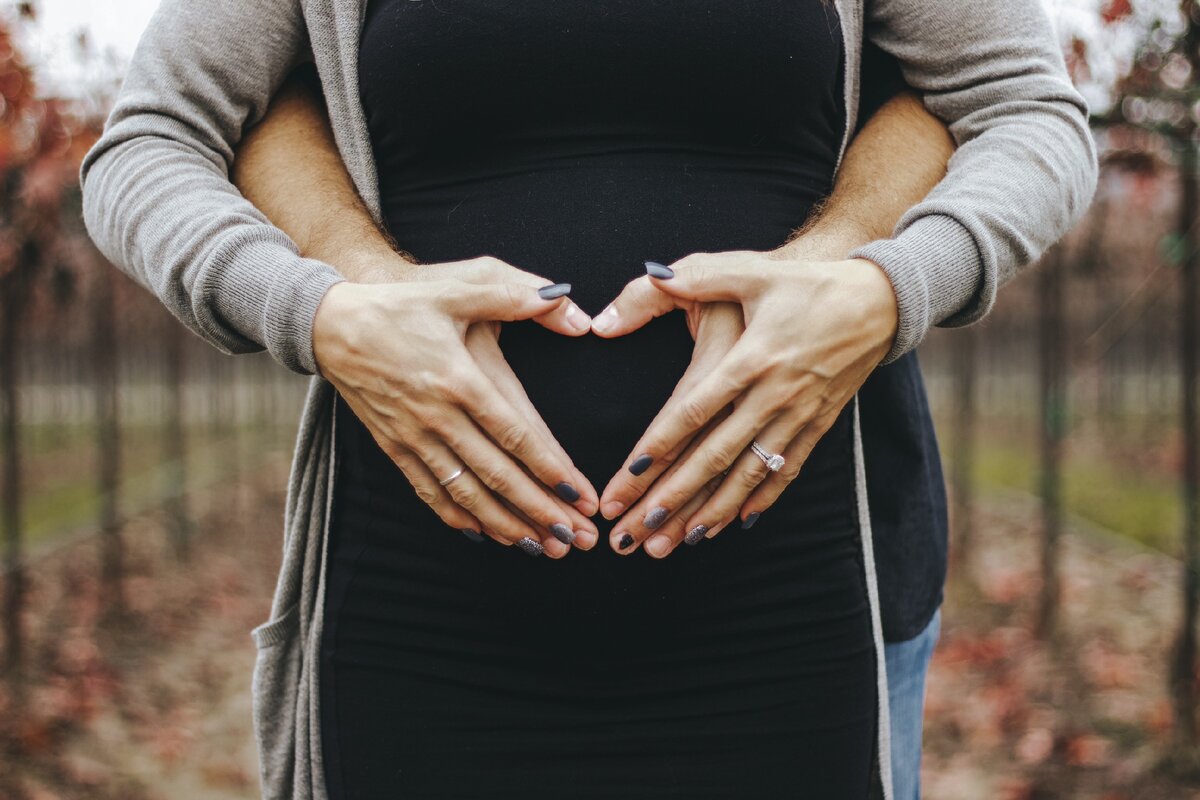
(113, 26)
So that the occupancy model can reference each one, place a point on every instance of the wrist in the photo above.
(359, 252)
(874, 290)
(328, 323)
(826, 241)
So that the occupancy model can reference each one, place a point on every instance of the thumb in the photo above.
(707, 277)
(638, 303)
(503, 302)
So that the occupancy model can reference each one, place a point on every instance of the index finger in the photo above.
(688, 412)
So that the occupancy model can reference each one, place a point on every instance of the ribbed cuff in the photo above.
(265, 291)
(935, 269)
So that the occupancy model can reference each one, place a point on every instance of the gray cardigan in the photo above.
(159, 204)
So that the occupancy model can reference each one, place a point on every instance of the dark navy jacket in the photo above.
(905, 488)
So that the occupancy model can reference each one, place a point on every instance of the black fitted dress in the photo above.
(577, 140)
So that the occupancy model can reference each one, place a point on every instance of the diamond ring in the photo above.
(774, 461)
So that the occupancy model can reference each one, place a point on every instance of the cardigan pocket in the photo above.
(275, 692)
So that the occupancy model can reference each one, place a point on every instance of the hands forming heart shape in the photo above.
(782, 343)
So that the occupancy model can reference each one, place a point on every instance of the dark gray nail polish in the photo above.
(750, 519)
(531, 546)
(696, 534)
(657, 270)
(567, 492)
(474, 536)
(626, 540)
(657, 516)
(554, 290)
(562, 532)
(641, 464)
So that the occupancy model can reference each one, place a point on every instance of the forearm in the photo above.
(290, 168)
(874, 188)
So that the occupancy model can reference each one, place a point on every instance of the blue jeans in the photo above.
(907, 664)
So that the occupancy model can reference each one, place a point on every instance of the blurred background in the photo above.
(131, 575)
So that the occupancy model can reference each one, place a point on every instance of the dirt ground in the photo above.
(155, 704)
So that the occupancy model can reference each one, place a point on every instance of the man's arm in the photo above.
(1025, 168)
(874, 187)
(289, 167)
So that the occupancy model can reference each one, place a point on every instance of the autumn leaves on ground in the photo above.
(157, 705)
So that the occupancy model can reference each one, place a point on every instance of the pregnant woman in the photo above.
(572, 144)
(744, 667)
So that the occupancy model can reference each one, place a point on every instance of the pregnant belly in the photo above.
(593, 223)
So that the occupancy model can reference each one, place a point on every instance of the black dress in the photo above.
(577, 140)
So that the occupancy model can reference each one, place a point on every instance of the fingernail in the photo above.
(612, 508)
(605, 320)
(554, 290)
(657, 270)
(656, 517)
(751, 519)
(567, 492)
(626, 540)
(641, 464)
(474, 536)
(531, 546)
(562, 532)
(696, 534)
(585, 539)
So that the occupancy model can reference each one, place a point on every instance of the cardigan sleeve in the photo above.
(1025, 168)
(157, 199)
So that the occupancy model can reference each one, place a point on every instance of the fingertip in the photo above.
(554, 548)
(661, 271)
(622, 542)
(576, 319)
(606, 323)
(612, 509)
(554, 291)
(658, 546)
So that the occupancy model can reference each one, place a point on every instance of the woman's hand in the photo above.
(403, 356)
(814, 332)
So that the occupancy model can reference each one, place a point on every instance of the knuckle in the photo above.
(693, 412)
(428, 495)
(496, 478)
(489, 267)
(716, 458)
(465, 496)
(513, 437)
(752, 476)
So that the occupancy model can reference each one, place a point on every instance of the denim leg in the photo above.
(907, 665)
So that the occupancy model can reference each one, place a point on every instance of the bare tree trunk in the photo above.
(14, 291)
(108, 444)
(1052, 392)
(175, 441)
(963, 460)
(1183, 672)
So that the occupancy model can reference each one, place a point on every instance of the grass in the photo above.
(60, 474)
(1140, 504)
